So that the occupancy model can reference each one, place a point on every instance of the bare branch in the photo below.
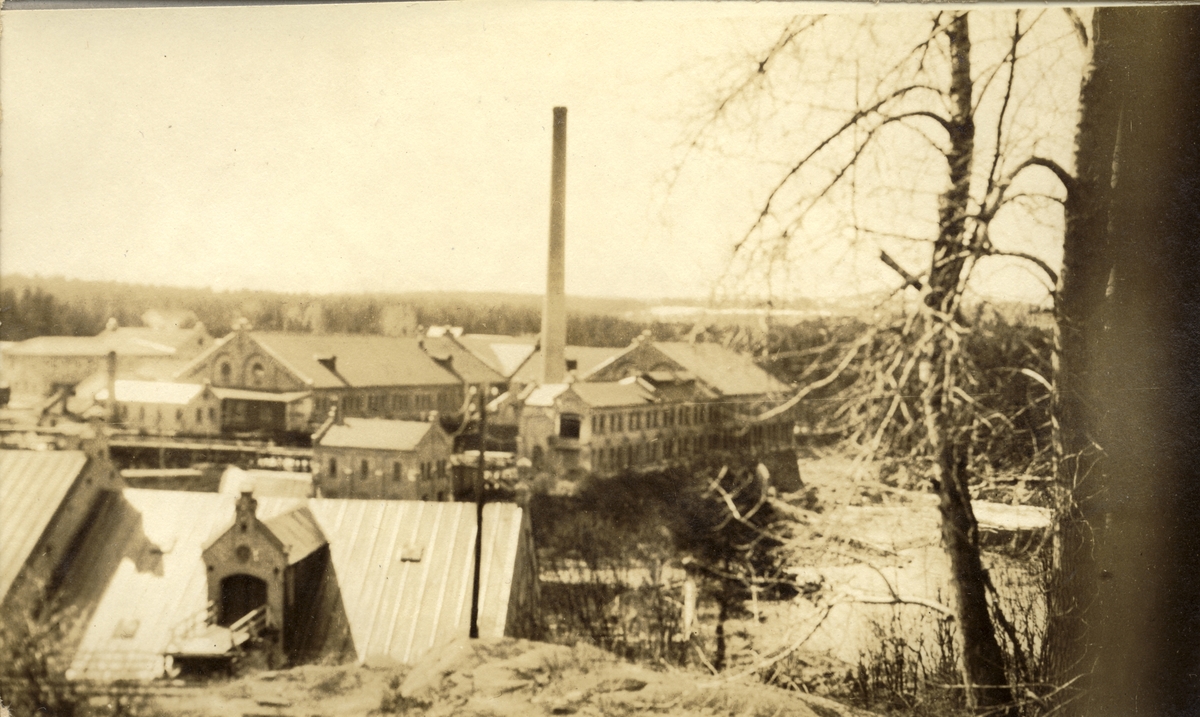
(1066, 178)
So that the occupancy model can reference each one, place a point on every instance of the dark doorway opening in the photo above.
(241, 594)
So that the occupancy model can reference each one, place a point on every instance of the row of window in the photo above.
(399, 402)
(635, 454)
(123, 414)
(428, 470)
(687, 415)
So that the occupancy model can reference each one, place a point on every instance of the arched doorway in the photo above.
(240, 594)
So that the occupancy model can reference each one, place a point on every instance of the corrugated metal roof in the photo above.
(376, 433)
(400, 609)
(299, 533)
(131, 391)
(361, 361)
(32, 486)
(143, 570)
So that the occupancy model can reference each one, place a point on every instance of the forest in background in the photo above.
(54, 306)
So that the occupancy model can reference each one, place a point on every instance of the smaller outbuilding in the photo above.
(377, 458)
(165, 408)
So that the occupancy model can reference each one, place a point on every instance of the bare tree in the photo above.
(938, 98)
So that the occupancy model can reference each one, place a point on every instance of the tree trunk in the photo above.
(1079, 312)
(983, 660)
(1144, 625)
(722, 616)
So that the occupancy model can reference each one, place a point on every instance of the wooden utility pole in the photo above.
(481, 401)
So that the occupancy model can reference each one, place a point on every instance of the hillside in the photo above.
(493, 677)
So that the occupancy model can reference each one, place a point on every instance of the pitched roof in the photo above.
(544, 394)
(264, 483)
(361, 361)
(611, 394)
(376, 433)
(144, 570)
(504, 354)
(400, 608)
(32, 486)
(298, 531)
(125, 340)
(586, 358)
(249, 395)
(132, 391)
(461, 360)
(727, 371)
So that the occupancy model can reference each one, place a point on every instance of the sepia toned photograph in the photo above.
(599, 359)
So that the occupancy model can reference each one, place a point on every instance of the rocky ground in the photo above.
(499, 678)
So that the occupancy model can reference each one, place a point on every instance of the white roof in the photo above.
(544, 395)
(131, 391)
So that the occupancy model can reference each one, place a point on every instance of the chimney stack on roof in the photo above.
(247, 507)
(554, 311)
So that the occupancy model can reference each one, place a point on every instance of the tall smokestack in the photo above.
(554, 312)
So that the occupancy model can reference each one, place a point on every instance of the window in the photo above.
(226, 372)
(258, 374)
(179, 415)
(397, 471)
(441, 469)
(602, 423)
(333, 468)
(568, 425)
(199, 415)
(364, 469)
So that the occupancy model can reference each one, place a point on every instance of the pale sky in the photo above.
(390, 147)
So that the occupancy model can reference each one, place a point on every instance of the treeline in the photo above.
(63, 307)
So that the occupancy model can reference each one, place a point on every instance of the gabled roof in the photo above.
(125, 340)
(249, 395)
(504, 354)
(720, 369)
(32, 486)
(359, 361)
(405, 571)
(142, 568)
(613, 394)
(459, 359)
(727, 371)
(132, 391)
(544, 394)
(376, 434)
(586, 358)
(297, 531)
(265, 483)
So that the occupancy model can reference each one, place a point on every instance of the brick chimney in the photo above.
(247, 507)
(554, 311)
